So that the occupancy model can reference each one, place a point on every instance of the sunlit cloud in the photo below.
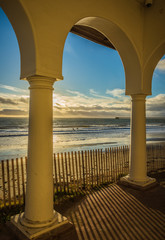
(156, 105)
(14, 105)
(76, 104)
(161, 65)
(93, 105)
(117, 92)
(81, 105)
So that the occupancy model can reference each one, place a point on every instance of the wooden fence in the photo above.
(75, 171)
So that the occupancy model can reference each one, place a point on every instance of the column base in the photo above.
(58, 225)
(141, 185)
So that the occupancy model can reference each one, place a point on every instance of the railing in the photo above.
(75, 171)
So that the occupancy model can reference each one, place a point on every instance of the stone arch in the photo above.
(150, 66)
(25, 36)
(125, 48)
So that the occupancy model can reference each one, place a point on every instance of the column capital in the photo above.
(138, 97)
(41, 82)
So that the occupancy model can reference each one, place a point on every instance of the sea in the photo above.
(76, 134)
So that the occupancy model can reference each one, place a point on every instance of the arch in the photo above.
(150, 66)
(25, 35)
(125, 48)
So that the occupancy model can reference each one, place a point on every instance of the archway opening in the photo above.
(14, 95)
(91, 110)
(155, 124)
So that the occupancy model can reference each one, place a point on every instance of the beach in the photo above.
(76, 134)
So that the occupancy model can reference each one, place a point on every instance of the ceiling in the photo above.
(91, 34)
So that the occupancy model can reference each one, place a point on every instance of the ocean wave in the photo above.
(14, 135)
(155, 139)
(91, 144)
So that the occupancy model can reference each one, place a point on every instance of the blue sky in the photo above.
(93, 84)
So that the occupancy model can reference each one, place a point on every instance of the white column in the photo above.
(39, 193)
(138, 157)
(138, 167)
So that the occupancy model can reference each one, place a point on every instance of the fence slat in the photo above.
(89, 169)
(109, 165)
(3, 182)
(8, 183)
(94, 164)
(55, 172)
(66, 167)
(18, 181)
(62, 161)
(73, 167)
(76, 165)
(79, 157)
(86, 169)
(59, 171)
(70, 170)
(23, 180)
(83, 171)
(13, 177)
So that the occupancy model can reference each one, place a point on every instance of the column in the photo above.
(138, 167)
(39, 192)
(137, 176)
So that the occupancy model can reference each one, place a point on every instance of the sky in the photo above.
(93, 85)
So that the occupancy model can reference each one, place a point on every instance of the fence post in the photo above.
(82, 154)
(79, 157)
(18, 181)
(55, 170)
(86, 169)
(76, 161)
(3, 182)
(8, 183)
(23, 181)
(89, 170)
(62, 160)
(13, 176)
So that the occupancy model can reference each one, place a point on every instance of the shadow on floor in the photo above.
(114, 212)
(118, 212)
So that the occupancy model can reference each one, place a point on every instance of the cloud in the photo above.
(7, 101)
(95, 105)
(13, 89)
(92, 92)
(155, 106)
(13, 112)
(76, 93)
(117, 92)
(161, 65)
(96, 94)
(14, 99)
(24, 99)
(81, 105)
(76, 104)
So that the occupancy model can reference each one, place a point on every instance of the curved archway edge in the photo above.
(25, 36)
(157, 54)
